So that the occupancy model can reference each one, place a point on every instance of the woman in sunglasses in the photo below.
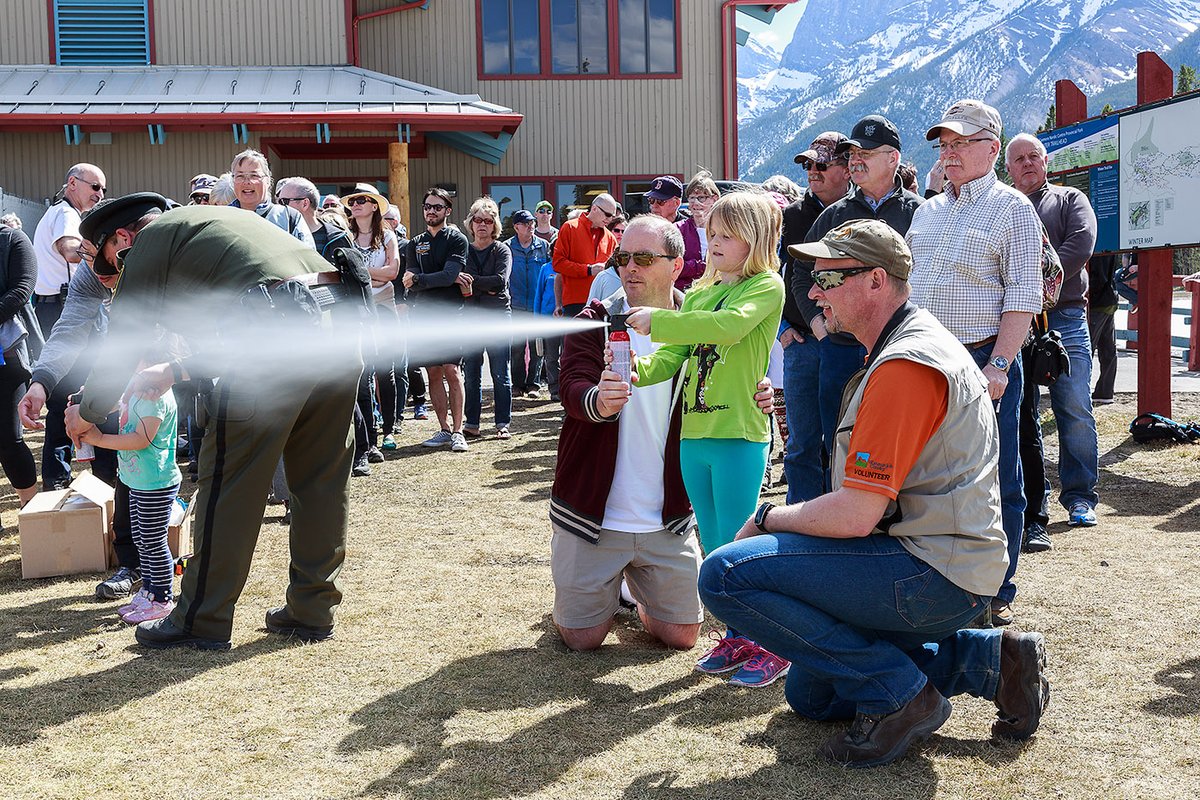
(379, 248)
(722, 337)
(484, 285)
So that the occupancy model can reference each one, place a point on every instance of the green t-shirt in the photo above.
(727, 351)
(153, 467)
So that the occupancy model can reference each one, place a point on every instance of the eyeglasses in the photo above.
(698, 199)
(654, 202)
(362, 198)
(828, 279)
(200, 199)
(543, 210)
(642, 259)
(482, 220)
(961, 144)
(434, 207)
(249, 177)
(618, 230)
(606, 214)
(864, 154)
(816, 166)
(287, 201)
(96, 187)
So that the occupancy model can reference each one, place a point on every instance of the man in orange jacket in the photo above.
(581, 251)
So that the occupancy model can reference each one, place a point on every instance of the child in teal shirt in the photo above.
(724, 332)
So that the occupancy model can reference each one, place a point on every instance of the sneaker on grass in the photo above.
(458, 443)
(729, 653)
(389, 442)
(1081, 515)
(439, 439)
(119, 584)
(140, 600)
(761, 670)
(154, 610)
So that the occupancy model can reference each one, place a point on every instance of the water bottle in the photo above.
(618, 343)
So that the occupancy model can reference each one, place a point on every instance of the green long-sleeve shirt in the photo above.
(727, 351)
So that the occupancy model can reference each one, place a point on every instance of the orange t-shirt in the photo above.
(902, 406)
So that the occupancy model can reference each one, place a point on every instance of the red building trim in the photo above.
(50, 28)
(353, 120)
(152, 39)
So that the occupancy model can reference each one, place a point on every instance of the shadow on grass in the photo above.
(598, 712)
(27, 711)
(1184, 681)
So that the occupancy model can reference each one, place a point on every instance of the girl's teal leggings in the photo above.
(722, 478)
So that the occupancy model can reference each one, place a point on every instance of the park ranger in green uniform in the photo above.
(213, 275)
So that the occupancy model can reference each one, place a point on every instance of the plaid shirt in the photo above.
(976, 254)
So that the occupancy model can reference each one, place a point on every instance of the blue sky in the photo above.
(779, 32)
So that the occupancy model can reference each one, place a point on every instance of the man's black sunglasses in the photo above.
(642, 259)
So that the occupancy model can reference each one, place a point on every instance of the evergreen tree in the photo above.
(1001, 168)
(1051, 120)
(1108, 109)
(1185, 81)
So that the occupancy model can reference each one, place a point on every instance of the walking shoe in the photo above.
(761, 670)
(119, 584)
(1023, 692)
(361, 468)
(280, 621)
(153, 610)
(374, 456)
(1037, 539)
(458, 443)
(1002, 613)
(1082, 515)
(876, 740)
(420, 412)
(533, 392)
(502, 432)
(1102, 401)
(389, 442)
(471, 431)
(439, 439)
(140, 600)
(729, 653)
(161, 634)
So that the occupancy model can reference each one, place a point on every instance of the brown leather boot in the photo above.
(1023, 693)
(874, 741)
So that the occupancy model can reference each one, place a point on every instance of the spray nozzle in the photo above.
(616, 323)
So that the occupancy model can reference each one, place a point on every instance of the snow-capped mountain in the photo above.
(910, 60)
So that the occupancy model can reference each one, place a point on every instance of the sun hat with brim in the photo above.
(111, 214)
(870, 241)
(967, 118)
(365, 189)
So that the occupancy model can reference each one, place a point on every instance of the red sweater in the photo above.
(579, 245)
(587, 445)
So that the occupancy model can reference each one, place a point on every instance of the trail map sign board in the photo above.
(1079, 146)
(1160, 176)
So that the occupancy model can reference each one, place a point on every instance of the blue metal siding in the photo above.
(102, 31)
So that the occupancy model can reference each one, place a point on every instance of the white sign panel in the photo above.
(1160, 176)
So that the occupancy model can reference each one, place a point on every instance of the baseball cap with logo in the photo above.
(871, 241)
(823, 150)
(967, 118)
(870, 132)
(664, 188)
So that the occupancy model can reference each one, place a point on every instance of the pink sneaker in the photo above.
(140, 600)
(761, 670)
(155, 610)
(729, 653)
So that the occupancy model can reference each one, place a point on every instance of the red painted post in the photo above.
(1194, 340)
(1155, 81)
(1070, 104)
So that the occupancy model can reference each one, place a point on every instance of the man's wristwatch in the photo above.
(1000, 362)
(760, 516)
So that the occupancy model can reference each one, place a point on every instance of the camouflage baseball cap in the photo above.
(966, 118)
(871, 241)
(823, 150)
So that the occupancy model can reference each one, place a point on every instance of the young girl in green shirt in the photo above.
(724, 332)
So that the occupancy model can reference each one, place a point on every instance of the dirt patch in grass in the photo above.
(446, 680)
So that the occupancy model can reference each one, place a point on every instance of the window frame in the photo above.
(550, 184)
(546, 59)
(52, 32)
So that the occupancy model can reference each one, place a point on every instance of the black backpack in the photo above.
(1155, 427)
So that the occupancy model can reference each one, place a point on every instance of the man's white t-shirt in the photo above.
(703, 241)
(60, 220)
(635, 501)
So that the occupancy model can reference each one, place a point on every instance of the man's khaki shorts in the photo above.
(661, 568)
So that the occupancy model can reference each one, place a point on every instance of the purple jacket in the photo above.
(693, 260)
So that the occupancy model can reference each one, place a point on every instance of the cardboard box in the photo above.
(179, 537)
(65, 532)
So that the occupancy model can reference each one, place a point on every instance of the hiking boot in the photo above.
(389, 442)
(374, 456)
(161, 634)
(1002, 613)
(876, 740)
(1023, 693)
(458, 442)
(280, 621)
(1037, 539)
(1081, 515)
(729, 653)
(151, 611)
(439, 439)
(763, 669)
(119, 584)
(361, 468)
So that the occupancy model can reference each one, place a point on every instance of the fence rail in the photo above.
(30, 211)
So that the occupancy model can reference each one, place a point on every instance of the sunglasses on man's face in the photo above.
(353, 201)
(827, 279)
(96, 187)
(434, 207)
(642, 259)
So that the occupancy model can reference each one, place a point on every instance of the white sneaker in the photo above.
(440, 439)
(458, 443)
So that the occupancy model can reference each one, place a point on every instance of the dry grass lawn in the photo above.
(446, 681)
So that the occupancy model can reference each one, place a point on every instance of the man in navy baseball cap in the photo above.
(665, 197)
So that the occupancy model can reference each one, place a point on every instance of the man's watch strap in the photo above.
(760, 516)
(1000, 362)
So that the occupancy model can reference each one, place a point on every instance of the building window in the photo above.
(511, 35)
(647, 36)
(110, 32)
(578, 38)
(576, 195)
(512, 197)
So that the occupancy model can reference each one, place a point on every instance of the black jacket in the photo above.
(797, 219)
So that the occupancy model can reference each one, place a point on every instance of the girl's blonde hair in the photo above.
(753, 218)
(484, 207)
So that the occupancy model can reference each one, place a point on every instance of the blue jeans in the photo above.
(802, 460)
(1012, 487)
(838, 363)
(498, 356)
(1071, 400)
(864, 623)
